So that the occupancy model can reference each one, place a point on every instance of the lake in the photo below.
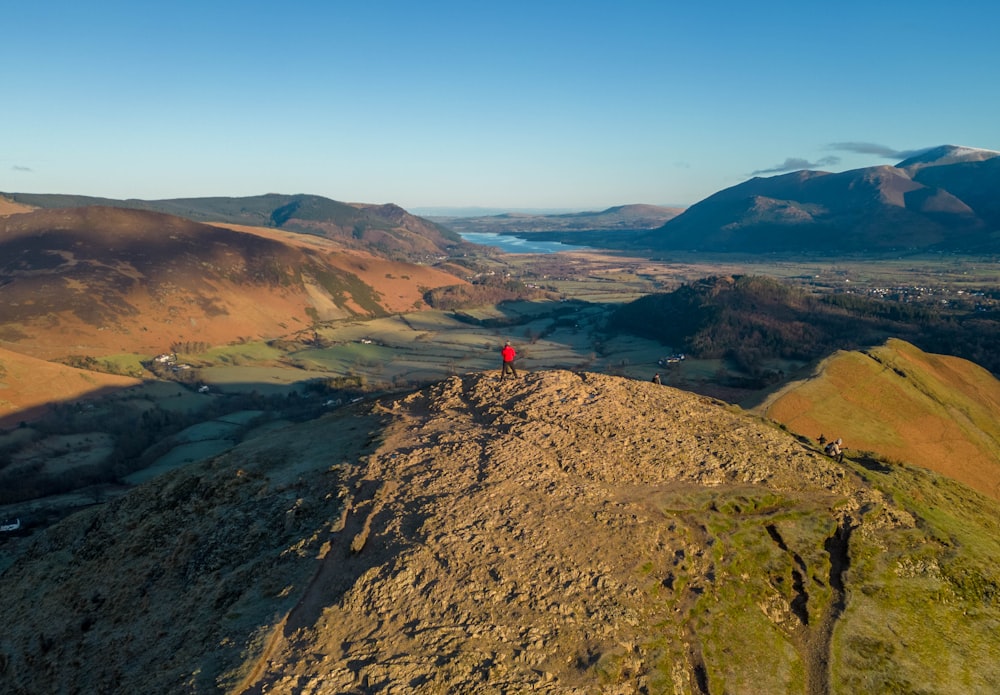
(513, 244)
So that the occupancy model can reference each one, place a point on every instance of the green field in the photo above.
(413, 349)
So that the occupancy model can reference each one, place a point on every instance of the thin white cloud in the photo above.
(874, 148)
(797, 164)
(18, 167)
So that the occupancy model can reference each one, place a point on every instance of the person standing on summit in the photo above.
(507, 354)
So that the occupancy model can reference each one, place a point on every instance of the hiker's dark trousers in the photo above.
(508, 367)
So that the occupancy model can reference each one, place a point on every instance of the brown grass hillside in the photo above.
(11, 207)
(400, 285)
(935, 411)
(28, 385)
(97, 281)
(562, 533)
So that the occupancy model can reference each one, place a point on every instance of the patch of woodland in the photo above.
(749, 319)
(489, 290)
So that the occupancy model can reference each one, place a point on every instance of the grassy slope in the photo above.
(11, 207)
(934, 411)
(922, 610)
(27, 385)
(202, 283)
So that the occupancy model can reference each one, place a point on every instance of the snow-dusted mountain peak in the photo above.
(946, 154)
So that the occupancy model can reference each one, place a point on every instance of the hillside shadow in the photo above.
(869, 462)
(34, 413)
(760, 397)
(63, 454)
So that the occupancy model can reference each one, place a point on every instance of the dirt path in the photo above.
(338, 569)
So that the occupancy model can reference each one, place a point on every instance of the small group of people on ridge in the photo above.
(834, 449)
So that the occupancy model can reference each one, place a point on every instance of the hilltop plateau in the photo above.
(560, 533)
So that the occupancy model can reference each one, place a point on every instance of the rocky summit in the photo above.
(558, 533)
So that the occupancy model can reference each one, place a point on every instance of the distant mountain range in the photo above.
(941, 200)
(620, 218)
(944, 199)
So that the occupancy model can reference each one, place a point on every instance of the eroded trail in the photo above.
(338, 568)
(815, 618)
(821, 636)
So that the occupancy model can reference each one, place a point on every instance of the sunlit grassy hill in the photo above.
(935, 411)
(99, 280)
(27, 385)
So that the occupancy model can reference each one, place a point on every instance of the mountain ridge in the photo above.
(386, 228)
(947, 154)
(909, 207)
(562, 533)
(619, 218)
(110, 280)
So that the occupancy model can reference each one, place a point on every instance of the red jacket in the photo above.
(507, 353)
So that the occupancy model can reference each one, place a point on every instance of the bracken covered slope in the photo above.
(561, 533)
(935, 411)
(102, 280)
(28, 385)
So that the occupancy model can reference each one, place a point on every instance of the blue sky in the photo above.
(515, 104)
